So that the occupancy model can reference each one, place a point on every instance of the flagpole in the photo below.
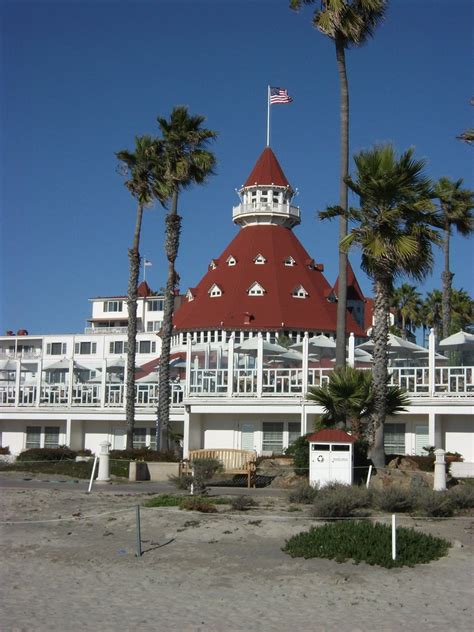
(268, 116)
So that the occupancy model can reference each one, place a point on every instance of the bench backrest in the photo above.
(231, 459)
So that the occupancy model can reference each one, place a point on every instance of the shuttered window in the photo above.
(394, 438)
(139, 438)
(51, 437)
(33, 437)
(273, 437)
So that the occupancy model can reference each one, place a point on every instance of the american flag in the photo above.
(279, 95)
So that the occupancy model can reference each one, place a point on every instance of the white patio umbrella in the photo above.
(149, 378)
(249, 347)
(8, 365)
(111, 379)
(396, 344)
(63, 365)
(290, 354)
(320, 345)
(462, 341)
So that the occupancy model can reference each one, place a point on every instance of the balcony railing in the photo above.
(287, 210)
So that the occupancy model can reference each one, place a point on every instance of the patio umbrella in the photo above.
(290, 354)
(149, 378)
(111, 379)
(320, 345)
(178, 363)
(249, 347)
(462, 341)
(8, 365)
(63, 365)
(396, 344)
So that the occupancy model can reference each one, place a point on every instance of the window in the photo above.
(139, 438)
(259, 260)
(256, 290)
(146, 346)
(113, 306)
(85, 348)
(213, 265)
(156, 305)
(394, 438)
(273, 437)
(56, 348)
(51, 437)
(152, 438)
(118, 347)
(231, 260)
(214, 291)
(189, 295)
(293, 431)
(299, 292)
(289, 262)
(33, 437)
(154, 325)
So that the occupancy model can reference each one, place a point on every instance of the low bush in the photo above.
(181, 482)
(81, 470)
(84, 453)
(462, 496)
(202, 472)
(4, 450)
(435, 504)
(47, 454)
(242, 503)
(366, 542)
(341, 501)
(302, 493)
(145, 454)
(299, 450)
(198, 503)
(164, 500)
(394, 499)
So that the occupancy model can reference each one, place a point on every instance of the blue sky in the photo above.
(80, 79)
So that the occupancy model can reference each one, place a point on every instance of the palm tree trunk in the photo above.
(173, 230)
(343, 173)
(379, 372)
(404, 327)
(134, 258)
(447, 278)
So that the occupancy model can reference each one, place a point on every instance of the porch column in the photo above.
(304, 385)
(70, 385)
(230, 366)
(431, 361)
(103, 384)
(39, 381)
(68, 431)
(187, 409)
(187, 386)
(304, 420)
(351, 355)
(259, 364)
(207, 353)
(17, 383)
(432, 438)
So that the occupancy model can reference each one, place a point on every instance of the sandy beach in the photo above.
(200, 572)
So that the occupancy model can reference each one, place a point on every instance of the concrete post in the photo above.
(432, 361)
(187, 388)
(439, 471)
(230, 366)
(351, 358)
(104, 463)
(304, 385)
(259, 364)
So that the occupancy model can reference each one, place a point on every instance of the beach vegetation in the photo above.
(242, 503)
(303, 493)
(337, 500)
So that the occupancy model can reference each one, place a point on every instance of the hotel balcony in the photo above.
(264, 213)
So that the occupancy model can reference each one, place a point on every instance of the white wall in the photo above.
(458, 433)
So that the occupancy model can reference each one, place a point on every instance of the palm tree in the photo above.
(349, 23)
(140, 166)
(406, 301)
(462, 310)
(394, 230)
(432, 311)
(348, 398)
(455, 210)
(185, 161)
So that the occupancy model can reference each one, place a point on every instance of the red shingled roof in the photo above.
(354, 291)
(277, 309)
(267, 171)
(331, 435)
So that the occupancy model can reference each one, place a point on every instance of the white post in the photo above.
(439, 471)
(259, 364)
(92, 475)
(39, 382)
(186, 424)
(369, 476)
(394, 537)
(432, 429)
(305, 364)
(68, 431)
(230, 366)
(187, 388)
(70, 384)
(104, 463)
(17, 383)
(432, 361)
(351, 354)
(103, 384)
(268, 116)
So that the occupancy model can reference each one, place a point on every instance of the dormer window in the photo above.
(213, 264)
(214, 291)
(299, 292)
(256, 290)
(189, 295)
(231, 260)
(289, 262)
(260, 260)
(332, 298)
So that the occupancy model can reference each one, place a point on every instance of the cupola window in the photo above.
(260, 260)
(300, 292)
(215, 291)
(231, 260)
(256, 290)
(289, 262)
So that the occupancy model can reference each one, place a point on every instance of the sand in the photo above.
(208, 573)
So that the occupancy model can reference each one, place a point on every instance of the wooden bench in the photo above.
(233, 461)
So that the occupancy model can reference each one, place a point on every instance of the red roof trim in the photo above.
(331, 435)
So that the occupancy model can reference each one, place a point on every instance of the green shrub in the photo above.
(462, 496)
(202, 472)
(47, 454)
(54, 468)
(145, 454)
(340, 501)
(366, 542)
(198, 503)
(435, 504)
(181, 482)
(394, 499)
(299, 450)
(164, 500)
(302, 493)
(242, 503)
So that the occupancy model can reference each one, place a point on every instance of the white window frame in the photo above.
(214, 291)
(153, 305)
(113, 306)
(50, 345)
(231, 260)
(299, 292)
(152, 344)
(256, 289)
(260, 260)
(79, 345)
(289, 262)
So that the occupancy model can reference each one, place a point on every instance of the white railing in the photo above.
(318, 377)
(245, 382)
(20, 355)
(27, 396)
(114, 395)
(7, 395)
(263, 208)
(86, 395)
(54, 395)
(282, 382)
(109, 330)
(415, 380)
(454, 380)
(208, 382)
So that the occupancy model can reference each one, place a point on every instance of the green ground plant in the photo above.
(302, 493)
(366, 542)
(341, 501)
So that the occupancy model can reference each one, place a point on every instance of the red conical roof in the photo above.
(143, 290)
(354, 291)
(277, 309)
(267, 171)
